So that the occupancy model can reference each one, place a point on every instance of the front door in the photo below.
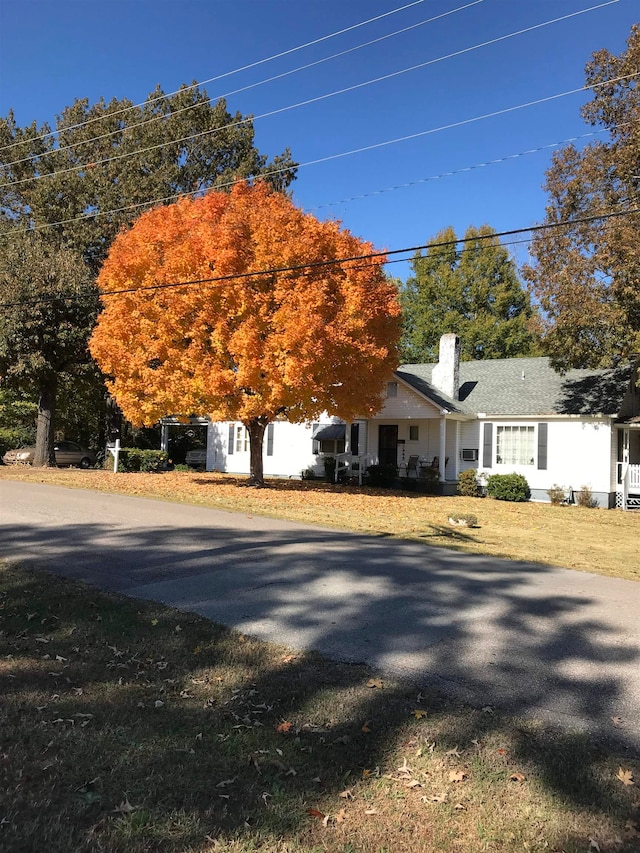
(388, 444)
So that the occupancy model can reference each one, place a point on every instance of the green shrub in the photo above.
(381, 475)
(133, 459)
(330, 468)
(585, 498)
(508, 487)
(468, 483)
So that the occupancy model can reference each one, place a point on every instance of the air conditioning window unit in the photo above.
(469, 454)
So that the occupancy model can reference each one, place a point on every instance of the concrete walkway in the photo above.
(548, 642)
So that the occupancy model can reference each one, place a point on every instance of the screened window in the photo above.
(414, 433)
(392, 389)
(515, 445)
(327, 445)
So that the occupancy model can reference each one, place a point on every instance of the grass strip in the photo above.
(129, 726)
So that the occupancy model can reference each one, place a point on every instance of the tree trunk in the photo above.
(256, 429)
(45, 456)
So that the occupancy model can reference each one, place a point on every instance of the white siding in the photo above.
(578, 453)
(407, 404)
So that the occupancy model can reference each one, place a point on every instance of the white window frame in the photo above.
(415, 427)
(392, 389)
(532, 430)
(241, 443)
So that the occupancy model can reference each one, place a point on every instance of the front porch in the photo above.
(628, 490)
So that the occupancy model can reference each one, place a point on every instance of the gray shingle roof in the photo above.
(526, 386)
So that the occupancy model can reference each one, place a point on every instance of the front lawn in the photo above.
(593, 540)
(128, 726)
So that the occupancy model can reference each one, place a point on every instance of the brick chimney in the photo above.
(446, 373)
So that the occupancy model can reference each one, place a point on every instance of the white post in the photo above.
(441, 458)
(116, 455)
(456, 455)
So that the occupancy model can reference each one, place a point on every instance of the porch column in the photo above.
(456, 455)
(441, 457)
(164, 437)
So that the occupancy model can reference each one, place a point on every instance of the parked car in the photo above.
(67, 453)
(196, 458)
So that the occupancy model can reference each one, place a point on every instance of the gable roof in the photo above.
(526, 386)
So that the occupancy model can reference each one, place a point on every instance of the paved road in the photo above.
(544, 641)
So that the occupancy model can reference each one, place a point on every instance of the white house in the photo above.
(495, 415)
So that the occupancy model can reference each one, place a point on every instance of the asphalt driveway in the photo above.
(548, 642)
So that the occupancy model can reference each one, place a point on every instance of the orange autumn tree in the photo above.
(246, 347)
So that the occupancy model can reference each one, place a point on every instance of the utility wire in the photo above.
(250, 86)
(312, 265)
(228, 73)
(465, 169)
(373, 255)
(307, 102)
(176, 196)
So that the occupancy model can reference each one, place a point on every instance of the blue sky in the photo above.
(54, 52)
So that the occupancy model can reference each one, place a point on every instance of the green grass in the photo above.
(249, 737)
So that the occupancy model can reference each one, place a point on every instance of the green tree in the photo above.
(587, 276)
(49, 302)
(79, 186)
(471, 289)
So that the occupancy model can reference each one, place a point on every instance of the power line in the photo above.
(312, 265)
(227, 73)
(307, 102)
(465, 169)
(243, 88)
(462, 170)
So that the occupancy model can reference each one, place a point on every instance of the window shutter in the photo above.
(315, 445)
(270, 429)
(542, 446)
(354, 440)
(487, 446)
(231, 442)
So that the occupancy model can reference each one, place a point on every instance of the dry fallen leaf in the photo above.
(371, 811)
(284, 727)
(347, 795)
(517, 777)
(154, 622)
(625, 776)
(455, 752)
(460, 808)
(375, 682)
(315, 813)
(434, 798)
(125, 807)
(365, 727)
(341, 816)
(419, 714)
(457, 775)
(617, 721)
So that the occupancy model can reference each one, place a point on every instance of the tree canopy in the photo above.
(76, 187)
(244, 347)
(48, 303)
(587, 276)
(471, 289)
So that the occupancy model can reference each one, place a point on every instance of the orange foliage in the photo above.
(291, 343)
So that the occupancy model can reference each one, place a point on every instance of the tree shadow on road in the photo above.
(457, 638)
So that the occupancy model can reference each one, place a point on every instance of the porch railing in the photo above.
(348, 461)
(629, 479)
